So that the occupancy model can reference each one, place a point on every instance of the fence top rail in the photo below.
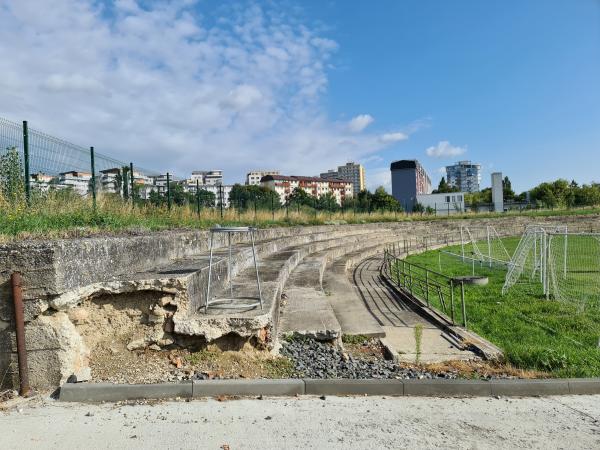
(486, 259)
(46, 142)
(422, 268)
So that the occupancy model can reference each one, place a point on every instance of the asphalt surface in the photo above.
(567, 422)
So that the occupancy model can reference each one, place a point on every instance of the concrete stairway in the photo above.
(320, 300)
(275, 268)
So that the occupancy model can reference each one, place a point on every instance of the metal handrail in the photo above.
(406, 276)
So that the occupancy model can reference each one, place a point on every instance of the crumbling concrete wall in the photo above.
(59, 276)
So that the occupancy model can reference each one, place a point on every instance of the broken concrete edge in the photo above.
(479, 345)
(107, 392)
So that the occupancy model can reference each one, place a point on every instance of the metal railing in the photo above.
(436, 290)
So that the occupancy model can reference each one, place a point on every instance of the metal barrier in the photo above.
(436, 290)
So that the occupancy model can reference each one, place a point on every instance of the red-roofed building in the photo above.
(284, 185)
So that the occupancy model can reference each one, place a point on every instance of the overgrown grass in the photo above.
(535, 333)
(354, 338)
(64, 214)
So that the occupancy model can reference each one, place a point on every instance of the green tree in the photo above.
(260, 197)
(382, 200)
(207, 198)
(444, 187)
(299, 197)
(507, 191)
(178, 194)
(327, 202)
(12, 180)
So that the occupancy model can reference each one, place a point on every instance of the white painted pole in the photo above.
(462, 243)
(487, 229)
(565, 256)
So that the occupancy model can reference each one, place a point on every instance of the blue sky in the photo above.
(304, 86)
(515, 82)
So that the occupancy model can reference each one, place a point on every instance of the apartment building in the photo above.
(78, 181)
(41, 181)
(314, 186)
(409, 179)
(207, 177)
(253, 178)
(464, 175)
(355, 173)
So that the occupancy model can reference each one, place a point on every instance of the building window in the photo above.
(447, 199)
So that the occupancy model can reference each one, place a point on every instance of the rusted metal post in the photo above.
(17, 291)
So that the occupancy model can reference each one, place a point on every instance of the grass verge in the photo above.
(63, 214)
(536, 334)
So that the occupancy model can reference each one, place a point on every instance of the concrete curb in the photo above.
(99, 392)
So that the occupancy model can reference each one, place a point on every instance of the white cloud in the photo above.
(445, 150)
(360, 122)
(389, 138)
(379, 176)
(158, 84)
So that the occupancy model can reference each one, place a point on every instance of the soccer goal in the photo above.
(483, 244)
(566, 265)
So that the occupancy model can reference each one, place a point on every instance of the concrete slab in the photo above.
(307, 311)
(212, 388)
(436, 346)
(108, 392)
(349, 309)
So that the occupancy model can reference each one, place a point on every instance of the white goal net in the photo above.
(566, 265)
(483, 244)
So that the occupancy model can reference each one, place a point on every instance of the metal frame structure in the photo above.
(490, 234)
(535, 238)
(230, 303)
(425, 284)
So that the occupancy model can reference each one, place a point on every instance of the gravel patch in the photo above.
(314, 359)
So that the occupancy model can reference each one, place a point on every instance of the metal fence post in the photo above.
(93, 178)
(198, 197)
(462, 300)
(132, 184)
(452, 301)
(17, 291)
(427, 287)
(221, 199)
(125, 183)
(168, 190)
(272, 207)
(26, 162)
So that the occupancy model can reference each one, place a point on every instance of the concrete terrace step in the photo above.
(309, 309)
(336, 309)
(274, 271)
(187, 277)
(348, 306)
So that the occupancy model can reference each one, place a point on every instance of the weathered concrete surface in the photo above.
(55, 350)
(348, 307)
(435, 345)
(59, 275)
(569, 422)
(400, 321)
(307, 312)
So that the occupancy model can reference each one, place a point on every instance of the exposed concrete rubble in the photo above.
(86, 299)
